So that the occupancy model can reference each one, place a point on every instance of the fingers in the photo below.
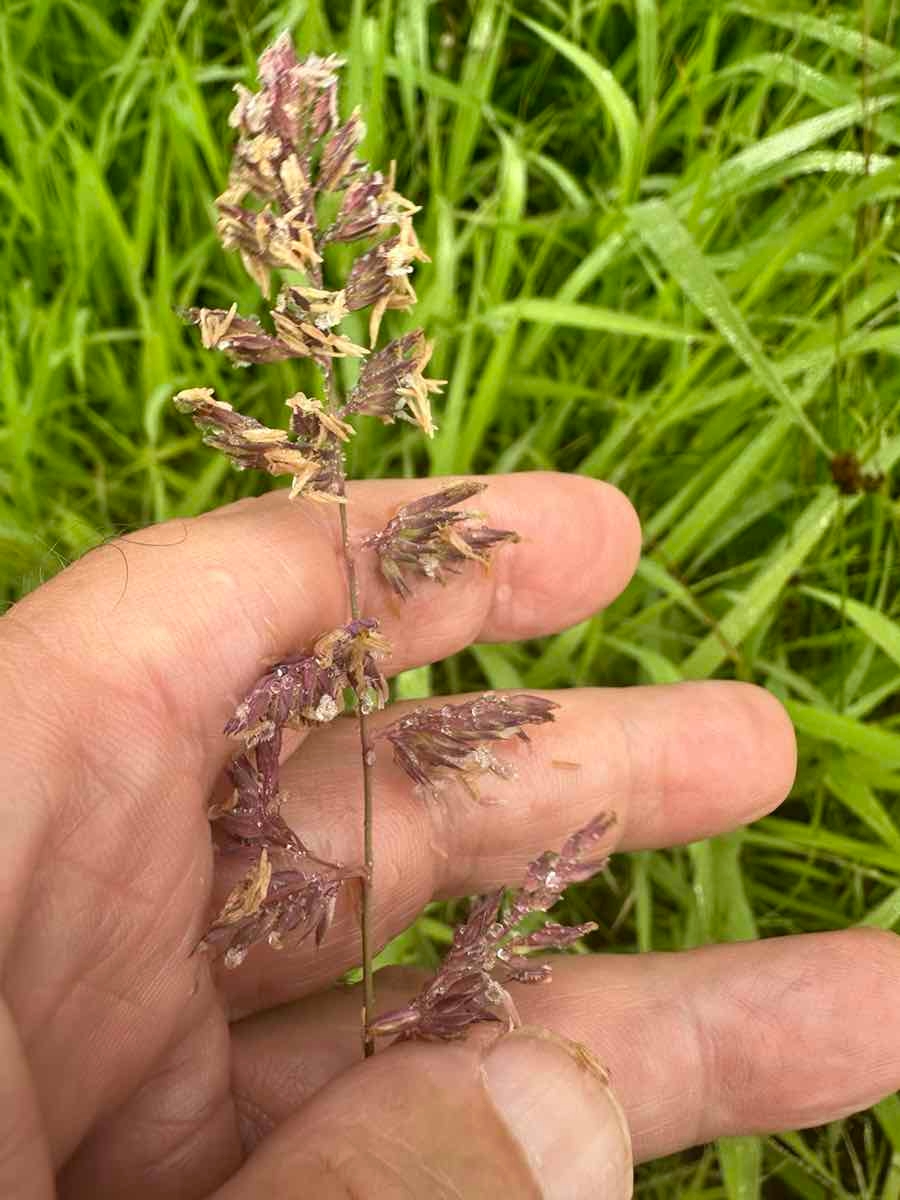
(674, 764)
(171, 626)
(751, 1038)
(529, 1116)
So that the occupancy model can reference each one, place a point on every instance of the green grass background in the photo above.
(664, 254)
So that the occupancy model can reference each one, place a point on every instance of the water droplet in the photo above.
(326, 709)
(235, 956)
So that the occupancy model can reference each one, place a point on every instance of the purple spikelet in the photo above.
(487, 953)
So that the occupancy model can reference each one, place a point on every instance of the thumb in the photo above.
(529, 1115)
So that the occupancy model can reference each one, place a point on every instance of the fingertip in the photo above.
(445, 1120)
(878, 950)
(769, 750)
(606, 529)
(832, 997)
(581, 541)
(623, 526)
(702, 758)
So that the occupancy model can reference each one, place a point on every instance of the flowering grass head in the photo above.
(298, 184)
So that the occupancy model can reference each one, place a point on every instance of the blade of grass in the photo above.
(660, 229)
(785, 559)
(861, 801)
(613, 97)
(877, 627)
(867, 740)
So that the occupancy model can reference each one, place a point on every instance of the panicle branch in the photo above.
(432, 744)
(294, 896)
(273, 903)
(309, 688)
(392, 385)
(487, 953)
(251, 815)
(429, 537)
(248, 443)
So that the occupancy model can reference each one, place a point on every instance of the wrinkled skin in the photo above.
(128, 1066)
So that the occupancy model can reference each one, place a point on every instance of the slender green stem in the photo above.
(368, 1013)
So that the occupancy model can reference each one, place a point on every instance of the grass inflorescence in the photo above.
(663, 253)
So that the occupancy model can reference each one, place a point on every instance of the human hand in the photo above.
(118, 1066)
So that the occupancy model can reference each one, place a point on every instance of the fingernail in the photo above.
(555, 1100)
